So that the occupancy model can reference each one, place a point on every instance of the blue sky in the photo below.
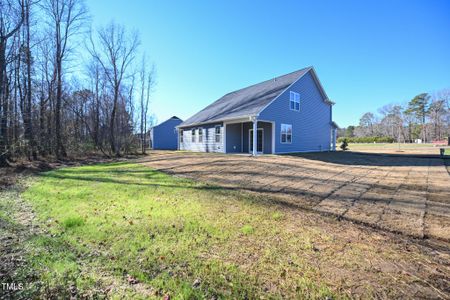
(366, 53)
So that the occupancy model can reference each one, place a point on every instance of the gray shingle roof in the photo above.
(245, 102)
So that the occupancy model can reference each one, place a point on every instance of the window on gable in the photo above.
(294, 101)
(193, 135)
(286, 133)
(200, 135)
(218, 133)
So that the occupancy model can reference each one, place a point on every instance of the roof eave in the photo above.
(218, 121)
(334, 124)
(328, 101)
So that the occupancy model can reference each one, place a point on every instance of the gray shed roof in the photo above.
(245, 102)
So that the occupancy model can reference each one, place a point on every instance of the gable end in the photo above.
(317, 82)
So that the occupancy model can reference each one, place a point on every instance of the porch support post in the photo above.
(334, 139)
(255, 136)
(224, 137)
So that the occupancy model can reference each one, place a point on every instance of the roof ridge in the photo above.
(247, 100)
(265, 81)
(259, 83)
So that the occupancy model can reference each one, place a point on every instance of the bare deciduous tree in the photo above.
(66, 18)
(115, 52)
(426, 116)
(147, 83)
(12, 15)
(46, 112)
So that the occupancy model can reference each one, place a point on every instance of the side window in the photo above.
(193, 135)
(218, 133)
(286, 133)
(294, 101)
(200, 135)
(181, 136)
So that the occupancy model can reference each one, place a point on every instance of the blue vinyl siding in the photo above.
(311, 126)
(234, 139)
(164, 136)
(209, 139)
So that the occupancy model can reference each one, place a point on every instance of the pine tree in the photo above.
(418, 107)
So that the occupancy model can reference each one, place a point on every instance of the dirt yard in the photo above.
(300, 227)
(399, 194)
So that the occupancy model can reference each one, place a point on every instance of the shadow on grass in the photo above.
(370, 159)
(268, 196)
(347, 158)
(124, 182)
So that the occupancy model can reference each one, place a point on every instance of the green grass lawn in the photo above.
(391, 145)
(108, 224)
(397, 148)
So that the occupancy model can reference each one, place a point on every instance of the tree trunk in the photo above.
(96, 111)
(144, 139)
(142, 125)
(50, 123)
(43, 148)
(112, 123)
(28, 124)
(60, 149)
(3, 106)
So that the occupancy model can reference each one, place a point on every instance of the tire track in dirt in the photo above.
(425, 211)
(436, 217)
(402, 195)
(395, 218)
(358, 199)
(334, 202)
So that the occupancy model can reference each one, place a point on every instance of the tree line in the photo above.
(426, 117)
(67, 89)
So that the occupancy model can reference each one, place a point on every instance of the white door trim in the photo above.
(249, 141)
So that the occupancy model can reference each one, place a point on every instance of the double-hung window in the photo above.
(193, 135)
(200, 135)
(181, 136)
(294, 101)
(286, 133)
(218, 133)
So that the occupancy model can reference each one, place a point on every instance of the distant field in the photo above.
(397, 148)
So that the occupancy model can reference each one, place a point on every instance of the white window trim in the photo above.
(200, 134)
(181, 137)
(293, 94)
(193, 134)
(281, 134)
(217, 134)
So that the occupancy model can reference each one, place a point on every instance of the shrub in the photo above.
(344, 145)
(367, 139)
